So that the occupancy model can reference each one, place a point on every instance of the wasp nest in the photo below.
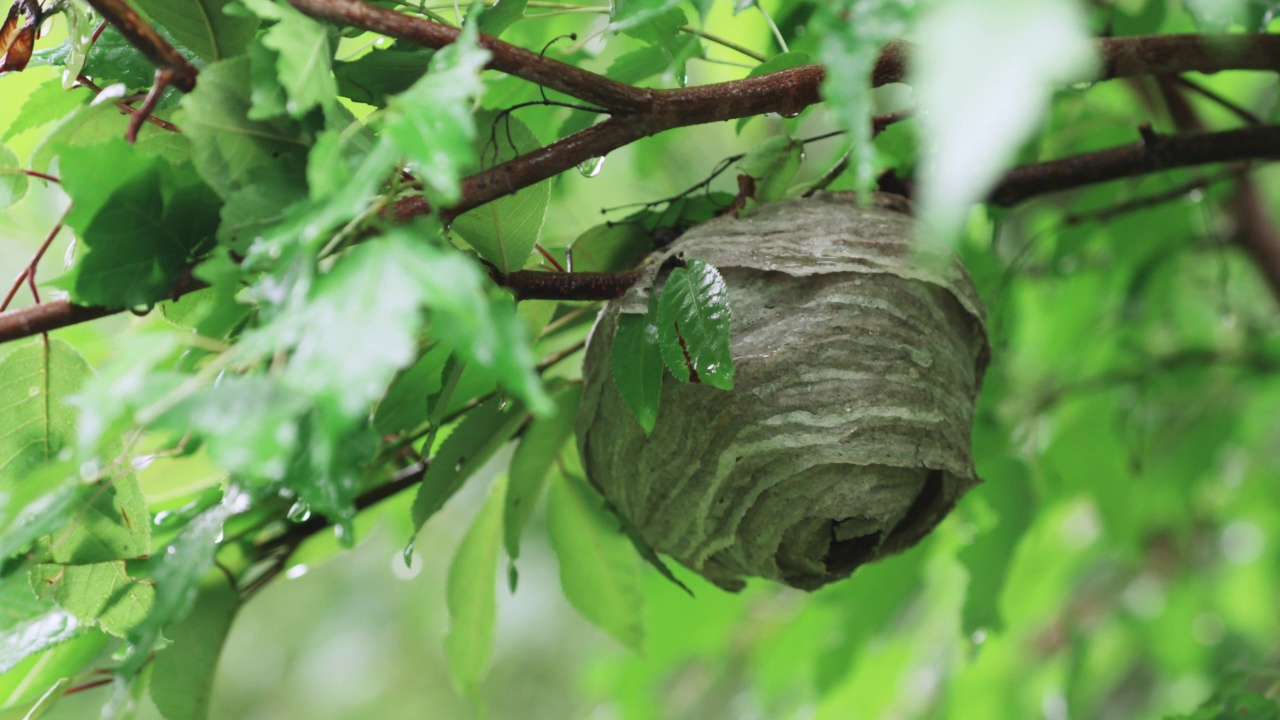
(858, 355)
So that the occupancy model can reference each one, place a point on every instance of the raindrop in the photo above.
(408, 555)
(1081, 86)
(300, 512)
(411, 567)
(457, 467)
(296, 572)
(34, 391)
(161, 518)
(591, 167)
(790, 114)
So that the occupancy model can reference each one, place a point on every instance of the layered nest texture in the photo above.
(859, 353)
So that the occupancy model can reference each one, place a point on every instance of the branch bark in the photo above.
(1163, 152)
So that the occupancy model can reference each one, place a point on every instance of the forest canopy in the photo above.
(301, 285)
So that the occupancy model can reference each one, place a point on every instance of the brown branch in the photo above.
(146, 40)
(1174, 54)
(786, 92)
(540, 285)
(513, 60)
(1164, 153)
(56, 314)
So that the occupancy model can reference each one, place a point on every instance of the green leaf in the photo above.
(774, 164)
(111, 60)
(92, 125)
(1008, 492)
(693, 326)
(636, 362)
(657, 24)
(637, 65)
(304, 56)
(255, 209)
(110, 522)
(625, 14)
(47, 103)
(27, 624)
(470, 596)
(431, 122)
(501, 15)
(250, 425)
(358, 326)
(969, 146)
(40, 504)
(203, 26)
(849, 52)
(183, 673)
(599, 570)
(177, 576)
(35, 381)
(106, 520)
(504, 231)
(480, 434)
(13, 182)
(382, 72)
(405, 404)
(482, 330)
(101, 594)
(49, 670)
(268, 96)
(538, 448)
(226, 145)
(615, 246)
(141, 220)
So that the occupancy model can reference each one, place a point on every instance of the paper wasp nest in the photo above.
(846, 438)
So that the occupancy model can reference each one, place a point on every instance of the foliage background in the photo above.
(1120, 561)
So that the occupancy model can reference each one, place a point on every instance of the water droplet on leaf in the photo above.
(300, 512)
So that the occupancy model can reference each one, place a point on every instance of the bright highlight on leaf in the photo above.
(693, 326)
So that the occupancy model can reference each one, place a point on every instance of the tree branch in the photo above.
(1163, 152)
(511, 59)
(146, 40)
